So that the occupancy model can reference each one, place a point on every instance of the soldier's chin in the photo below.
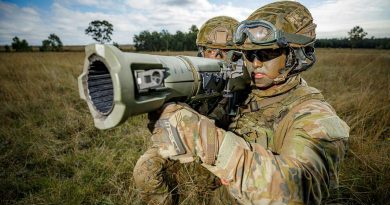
(263, 83)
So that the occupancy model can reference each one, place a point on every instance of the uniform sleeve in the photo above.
(219, 115)
(302, 172)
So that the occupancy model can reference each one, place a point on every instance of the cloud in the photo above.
(164, 4)
(102, 4)
(69, 18)
(181, 16)
(334, 18)
(23, 22)
(76, 22)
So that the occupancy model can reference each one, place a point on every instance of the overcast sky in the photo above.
(34, 20)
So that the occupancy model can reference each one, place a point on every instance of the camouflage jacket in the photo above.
(284, 148)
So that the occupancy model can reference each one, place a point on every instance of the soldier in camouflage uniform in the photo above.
(160, 181)
(286, 144)
(215, 40)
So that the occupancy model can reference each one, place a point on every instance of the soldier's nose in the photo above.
(257, 64)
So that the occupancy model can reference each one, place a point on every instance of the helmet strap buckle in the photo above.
(282, 42)
(297, 62)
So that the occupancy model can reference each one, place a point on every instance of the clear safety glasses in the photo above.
(211, 52)
(262, 32)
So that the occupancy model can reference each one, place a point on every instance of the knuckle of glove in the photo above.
(169, 109)
(195, 133)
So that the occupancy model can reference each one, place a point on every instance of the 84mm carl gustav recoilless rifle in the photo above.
(117, 85)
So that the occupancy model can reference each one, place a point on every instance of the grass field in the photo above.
(50, 152)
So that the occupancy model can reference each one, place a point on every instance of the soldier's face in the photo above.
(215, 53)
(265, 66)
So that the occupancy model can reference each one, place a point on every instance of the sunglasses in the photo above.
(263, 55)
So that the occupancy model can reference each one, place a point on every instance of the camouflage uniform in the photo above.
(285, 145)
(162, 181)
(284, 148)
(296, 142)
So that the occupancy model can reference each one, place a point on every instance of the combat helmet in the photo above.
(283, 24)
(217, 32)
(278, 24)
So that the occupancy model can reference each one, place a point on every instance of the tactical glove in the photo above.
(185, 135)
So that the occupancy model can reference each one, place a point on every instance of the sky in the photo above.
(35, 20)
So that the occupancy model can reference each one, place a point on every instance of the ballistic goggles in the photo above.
(264, 33)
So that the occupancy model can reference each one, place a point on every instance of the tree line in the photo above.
(102, 30)
(52, 43)
(161, 41)
(378, 43)
(356, 39)
(164, 41)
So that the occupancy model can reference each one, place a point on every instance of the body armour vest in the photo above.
(266, 115)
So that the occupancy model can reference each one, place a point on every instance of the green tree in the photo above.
(20, 45)
(179, 41)
(191, 38)
(115, 44)
(7, 48)
(100, 31)
(158, 41)
(52, 43)
(142, 41)
(45, 46)
(56, 42)
(356, 35)
(166, 39)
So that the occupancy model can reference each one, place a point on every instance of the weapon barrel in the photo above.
(117, 85)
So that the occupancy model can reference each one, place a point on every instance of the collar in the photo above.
(278, 89)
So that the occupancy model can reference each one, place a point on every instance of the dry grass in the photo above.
(50, 152)
(357, 84)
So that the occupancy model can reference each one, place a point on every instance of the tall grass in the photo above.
(50, 152)
(357, 84)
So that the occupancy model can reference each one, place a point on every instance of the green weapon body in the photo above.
(117, 85)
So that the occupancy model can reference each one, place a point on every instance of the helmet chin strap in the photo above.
(296, 62)
(290, 64)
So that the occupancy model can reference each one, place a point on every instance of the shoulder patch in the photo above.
(330, 128)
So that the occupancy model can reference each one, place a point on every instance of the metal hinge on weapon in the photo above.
(234, 69)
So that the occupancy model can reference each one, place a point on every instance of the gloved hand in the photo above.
(183, 134)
